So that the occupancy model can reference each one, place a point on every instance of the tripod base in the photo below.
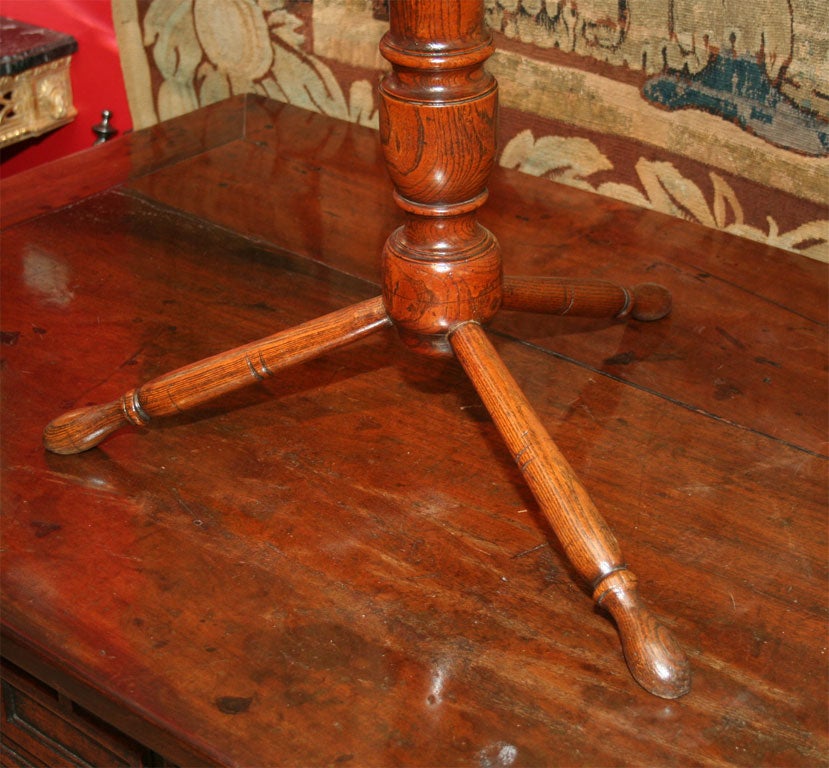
(653, 655)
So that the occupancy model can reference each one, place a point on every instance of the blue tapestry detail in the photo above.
(738, 89)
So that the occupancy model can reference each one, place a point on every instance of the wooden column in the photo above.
(438, 131)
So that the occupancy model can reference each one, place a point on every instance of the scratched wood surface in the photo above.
(342, 565)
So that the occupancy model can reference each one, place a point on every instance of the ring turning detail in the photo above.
(442, 282)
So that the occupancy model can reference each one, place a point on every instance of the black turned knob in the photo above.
(103, 130)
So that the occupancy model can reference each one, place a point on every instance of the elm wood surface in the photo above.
(548, 231)
(139, 153)
(327, 586)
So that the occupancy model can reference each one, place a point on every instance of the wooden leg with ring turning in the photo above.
(654, 657)
(585, 298)
(198, 383)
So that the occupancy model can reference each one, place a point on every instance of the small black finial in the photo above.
(103, 130)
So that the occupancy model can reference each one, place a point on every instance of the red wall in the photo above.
(97, 83)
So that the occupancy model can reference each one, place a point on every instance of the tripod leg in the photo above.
(200, 382)
(585, 298)
(653, 655)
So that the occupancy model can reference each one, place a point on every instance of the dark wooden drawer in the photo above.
(42, 727)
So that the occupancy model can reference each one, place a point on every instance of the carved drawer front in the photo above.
(41, 727)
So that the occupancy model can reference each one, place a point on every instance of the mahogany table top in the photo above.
(342, 565)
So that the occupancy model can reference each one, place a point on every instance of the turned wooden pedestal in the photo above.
(442, 283)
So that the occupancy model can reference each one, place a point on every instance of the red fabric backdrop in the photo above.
(97, 82)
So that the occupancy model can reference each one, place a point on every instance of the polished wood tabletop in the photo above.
(342, 565)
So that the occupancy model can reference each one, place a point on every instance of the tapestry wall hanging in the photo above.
(716, 111)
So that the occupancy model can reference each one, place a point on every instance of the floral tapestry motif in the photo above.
(661, 187)
(762, 65)
(204, 51)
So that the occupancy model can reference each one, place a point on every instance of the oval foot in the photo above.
(83, 428)
(651, 301)
(653, 655)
